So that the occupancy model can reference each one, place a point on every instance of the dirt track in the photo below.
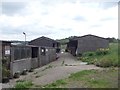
(58, 69)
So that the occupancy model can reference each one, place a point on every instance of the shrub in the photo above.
(104, 63)
(89, 54)
(84, 59)
(5, 72)
(102, 51)
(79, 55)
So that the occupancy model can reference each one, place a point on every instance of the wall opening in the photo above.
(43, 51)
(34, 52)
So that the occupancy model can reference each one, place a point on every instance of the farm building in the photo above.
(44, 41)
(17, 58)
(27, 57)
(79, 45)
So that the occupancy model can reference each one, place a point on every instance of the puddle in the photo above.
(83, 63)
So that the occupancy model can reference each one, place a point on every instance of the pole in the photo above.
(25, 37)
(25, 44)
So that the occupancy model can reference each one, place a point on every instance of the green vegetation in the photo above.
(62, 63)
(22, 84)
(50, 66)
(64, 42)
(107, 78)
(58, 83)
(5, 70)
(102, 57)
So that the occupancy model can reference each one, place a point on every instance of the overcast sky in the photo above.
(58, 19)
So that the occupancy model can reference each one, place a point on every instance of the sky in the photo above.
(57, 19)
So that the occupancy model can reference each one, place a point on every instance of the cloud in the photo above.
(95, 26)
(11, 8)
(57, 19)
(79, 18)
(107, 5)
(107, 18)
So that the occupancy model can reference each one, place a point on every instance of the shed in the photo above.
(79, 45)
(45, 42)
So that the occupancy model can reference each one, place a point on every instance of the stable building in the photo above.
(46, 42)
(79, 45)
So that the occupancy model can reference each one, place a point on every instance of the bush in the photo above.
(102, 51)
(104, 63)
(84, 59)
(5, 72)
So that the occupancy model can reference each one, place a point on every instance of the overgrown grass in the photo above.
(22, 84)
(102, 58)
(107, 78)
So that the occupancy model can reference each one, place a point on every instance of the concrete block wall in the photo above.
(20, 65)
(34, 63)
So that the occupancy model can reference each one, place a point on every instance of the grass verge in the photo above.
(107, 78)
(102, 58)
(22, 84)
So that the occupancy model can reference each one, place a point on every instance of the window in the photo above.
(46, 50)
(7, 50)
(42, 51)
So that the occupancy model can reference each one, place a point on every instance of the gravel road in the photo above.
(56, 70)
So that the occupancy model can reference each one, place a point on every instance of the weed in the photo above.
(37, 76)
(62, 63)
(35, 72)
(56, 84)
(23, 85)
(66, 64)
(50, 66)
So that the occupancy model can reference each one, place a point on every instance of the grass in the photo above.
(104, 59)
(35, 72)
(62, 63)
(107, 78)
(58, 83)
(22, 84)
(50, 66)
